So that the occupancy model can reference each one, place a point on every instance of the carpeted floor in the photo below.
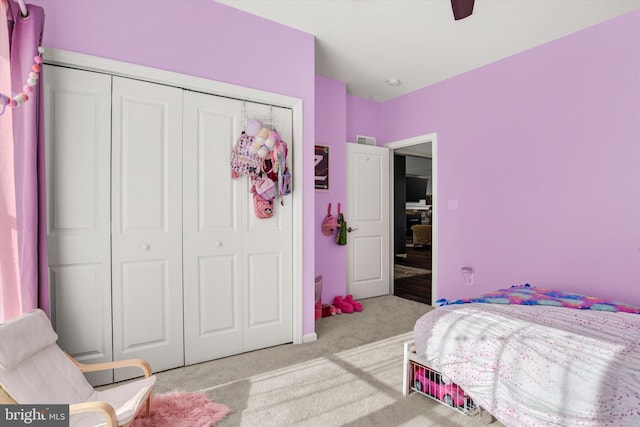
(350, 376)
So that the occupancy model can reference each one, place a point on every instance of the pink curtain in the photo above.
(23, 249)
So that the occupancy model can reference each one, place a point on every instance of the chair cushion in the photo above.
(47, 376)
(126, 399)
(27, 333)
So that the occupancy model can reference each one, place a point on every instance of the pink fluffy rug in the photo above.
(182, 409)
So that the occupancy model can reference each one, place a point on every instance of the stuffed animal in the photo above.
(252, 127)
(272, 140)
(259, 146)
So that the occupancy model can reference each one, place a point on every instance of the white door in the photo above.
(268, 254)
(213, 208)
(147, 224)
(237, 268)
(78, 129)
(367, 214)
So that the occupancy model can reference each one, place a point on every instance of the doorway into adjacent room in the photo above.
(413, 219)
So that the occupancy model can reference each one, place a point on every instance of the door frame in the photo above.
(404, 143)
(65, 58)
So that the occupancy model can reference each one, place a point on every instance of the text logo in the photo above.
(34, 415)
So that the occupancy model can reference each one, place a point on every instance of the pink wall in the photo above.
(331, 117)
(542, 152)
(205, 39)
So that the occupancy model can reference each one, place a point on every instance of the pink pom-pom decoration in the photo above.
(32, 80)
(253, 127)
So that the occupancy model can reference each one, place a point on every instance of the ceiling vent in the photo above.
(366, 140)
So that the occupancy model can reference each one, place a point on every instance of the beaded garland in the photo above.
(32, 80)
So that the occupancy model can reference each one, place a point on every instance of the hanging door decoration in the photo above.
(261, 154)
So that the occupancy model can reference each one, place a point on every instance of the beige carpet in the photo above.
(351, 376)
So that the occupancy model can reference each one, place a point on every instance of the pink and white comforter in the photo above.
(538, 365)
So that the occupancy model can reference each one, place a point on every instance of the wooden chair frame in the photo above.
(107, 410)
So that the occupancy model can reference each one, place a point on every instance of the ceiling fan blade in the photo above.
(462, 8)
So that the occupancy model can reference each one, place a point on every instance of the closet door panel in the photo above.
(213, 208)
(78, 149)
(267, 255)
(147, 224)
(264, 290)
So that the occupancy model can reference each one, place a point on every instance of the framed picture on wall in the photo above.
(322, 167)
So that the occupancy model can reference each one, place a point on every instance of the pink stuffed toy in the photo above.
(342, 305)
(356, 305)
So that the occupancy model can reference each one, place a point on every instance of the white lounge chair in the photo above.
(34, 370)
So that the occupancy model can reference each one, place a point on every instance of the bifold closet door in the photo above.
(213, 207)
(78, 144)
(267, 255)
(147, 224)
(237, 268)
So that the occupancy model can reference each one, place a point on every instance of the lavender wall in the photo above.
(205, 39)
(541, 151)
(363, 118)
(331, 117)
(339, 118)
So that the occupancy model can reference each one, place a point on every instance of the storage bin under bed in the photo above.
(420, 378)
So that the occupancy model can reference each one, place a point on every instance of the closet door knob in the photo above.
(218, 243)
(146, 246)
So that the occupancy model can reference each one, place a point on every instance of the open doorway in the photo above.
(413, 232)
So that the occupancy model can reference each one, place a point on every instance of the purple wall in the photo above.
(330, 127)
(205, 39)
(363, 118)
(542, 152)
(339, 118)
(540, 149)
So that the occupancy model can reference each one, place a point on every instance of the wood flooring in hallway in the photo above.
(416, 287)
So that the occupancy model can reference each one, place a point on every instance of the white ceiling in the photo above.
(365, 42)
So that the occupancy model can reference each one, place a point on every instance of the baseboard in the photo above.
(306, 338)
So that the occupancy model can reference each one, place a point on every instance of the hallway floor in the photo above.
(414, 283)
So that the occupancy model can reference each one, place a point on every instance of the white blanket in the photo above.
(538, 365)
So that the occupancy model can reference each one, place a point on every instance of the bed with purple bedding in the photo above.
(539, 357)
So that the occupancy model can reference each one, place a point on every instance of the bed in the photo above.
(539, 357)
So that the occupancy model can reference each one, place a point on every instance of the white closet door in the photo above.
(237, 268)
(212, 235)
(147, 224)
(267, 256)
(78, 138)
